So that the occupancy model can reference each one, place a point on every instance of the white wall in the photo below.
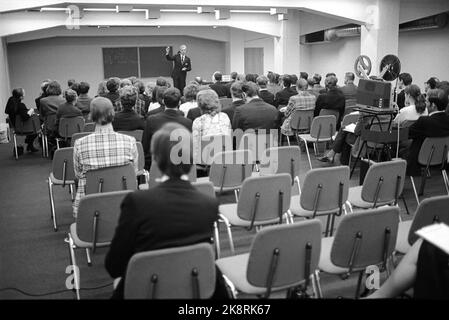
(4, 79)
(80, 58)
(268, 51)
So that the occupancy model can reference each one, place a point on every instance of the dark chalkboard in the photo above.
(120, 62)
(153, 62)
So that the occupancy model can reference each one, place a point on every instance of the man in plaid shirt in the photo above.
(304, 100)
(103, 148)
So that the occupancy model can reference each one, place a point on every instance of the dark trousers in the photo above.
(179, 82)
(342, 144)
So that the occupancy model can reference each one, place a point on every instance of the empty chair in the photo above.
(77, 136)
(134, 133)
(89, 127)
(433, 153)
(383, 185)
(186, 272)
(62, 174)
(262, 200)
(300, 122)
(95, 225)
(366, 238)
(24, 128)
(330, 112)
(322, 130)
(349, 119)
(324, 192)
(280, 258)
(429, 211)
(111, 179)
(69, 126)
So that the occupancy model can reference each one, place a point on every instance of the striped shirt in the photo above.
(101, 149)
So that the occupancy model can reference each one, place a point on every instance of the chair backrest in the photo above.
(281, 160)
(229, 169)
(32, 125)
(365, 238)
(323, 127)
(98, 216)
(287, 254)
(258, 142)
(69, 126)
(264, 197)
(137, 134)
(349, 118)
(350, 102)
(301, 119)
(384, 182)
(205, 187)
(111, 179)
(156, 174)
(330, 112)
(186, 272)
(210, 145)
(225, 102)
(89, 127)
(77, 136)
(434, 151)
(429, 211)
(141, 158)
(62, 164)
(325, 189)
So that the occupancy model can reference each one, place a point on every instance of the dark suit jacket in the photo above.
(154, 123)
(128, 120)
(15, 107)
(400, 100)
(67, 110)
(231, 109)
(436, 125)
(171, 214)
(221, 89)
(49, 106)
(178, 65)
(194, 113)
(267, 96)
(256, 114)
(156, 111)
(83, 103)
(283, 96)
(333, 99)
(349, 91)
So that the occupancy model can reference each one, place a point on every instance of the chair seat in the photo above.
(355, 198)
(309, 138)
(402, 244)
(82, 244)
(217, 189)
(60, 182)
(235, 268)
(297, 210)
(325, 263)
(230, 212)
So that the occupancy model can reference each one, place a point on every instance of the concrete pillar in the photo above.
(4, 79)
(286, 47)
(236, 51)
(380, 36)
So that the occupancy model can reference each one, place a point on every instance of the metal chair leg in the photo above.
(359, 282)
(16, 153)
(228, 230)
(75, 269)
(288, 140)
(52, 205)
(316, 277)
(414, 189)
(308, 154)
(89, 260)
(217, 241)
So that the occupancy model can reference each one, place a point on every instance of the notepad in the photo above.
(350, 128)
(436, 234)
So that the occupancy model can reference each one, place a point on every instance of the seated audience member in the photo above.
(172, 97)
(83, 102)
(125, 83)
(113, 85)
(424, 268)
(404, 80)
(190, 92)
(219, 87)
(310, 84)
(128, 119)
(434, 125)
(68, 109)
(102, 148)
(49, 107)
(416, 105)
(15, 107)
(251, 77)
(237, 99)
(264, 94)
(211, 123)
(303, 100)
(332, 99)
(431, 84)
(255, 113)
(42, 94)
(143, 99)
(349, 89)
(102, 89)
(294, 78)
(283, 96)
(158, 106)
(273, 84)
(317, 87)
(172, 214)
(303, 75)
(229, 84)
(70, 83)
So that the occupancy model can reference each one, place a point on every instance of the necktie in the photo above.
(182, 59)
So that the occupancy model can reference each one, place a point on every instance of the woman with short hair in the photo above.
(190, 92)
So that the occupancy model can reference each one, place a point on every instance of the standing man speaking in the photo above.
(181, 66)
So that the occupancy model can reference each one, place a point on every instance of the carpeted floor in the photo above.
(34, 258)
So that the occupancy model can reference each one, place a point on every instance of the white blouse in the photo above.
(409, 114)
